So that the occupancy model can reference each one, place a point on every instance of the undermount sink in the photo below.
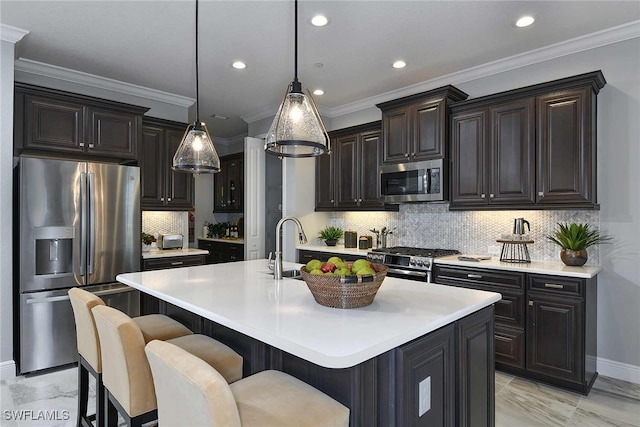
(292, 274)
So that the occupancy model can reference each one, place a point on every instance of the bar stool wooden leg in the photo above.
(83, 394)
(111, 413)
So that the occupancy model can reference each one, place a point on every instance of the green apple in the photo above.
(341, 264)
(316, 271)
(365, 271)
(344, 271)
(334, 260)
(358, 264)
(314, 264)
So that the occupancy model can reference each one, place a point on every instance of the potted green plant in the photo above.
(330, 235)
(574, 239)
(147, 239)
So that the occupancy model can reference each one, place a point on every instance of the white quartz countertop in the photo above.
(157, 253)
(540, 267)
(339, 249)
(238, 241)
(244, 297)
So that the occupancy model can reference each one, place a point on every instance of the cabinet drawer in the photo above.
(446, 275)
(556, 285)
(510, 310)
(509, 345)
(173, 262)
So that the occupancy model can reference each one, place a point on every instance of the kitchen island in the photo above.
(419, 355)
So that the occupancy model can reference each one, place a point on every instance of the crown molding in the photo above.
(11, 34)
(29, 66)
(579, 44)
(229, 141)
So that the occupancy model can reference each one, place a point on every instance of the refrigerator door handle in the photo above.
(48, 299)
(114, 291)
(91, 232)
(83, 223)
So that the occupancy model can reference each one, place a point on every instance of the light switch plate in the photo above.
(424, 396)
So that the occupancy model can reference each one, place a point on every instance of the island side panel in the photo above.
(476, 369)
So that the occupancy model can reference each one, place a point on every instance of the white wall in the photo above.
(7, 367)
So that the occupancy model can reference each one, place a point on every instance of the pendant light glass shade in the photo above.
(196, 153)
(297, 129)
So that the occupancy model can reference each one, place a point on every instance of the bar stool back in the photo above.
(190, 392)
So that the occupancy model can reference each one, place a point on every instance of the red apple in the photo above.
(372, 266)
(328, 267)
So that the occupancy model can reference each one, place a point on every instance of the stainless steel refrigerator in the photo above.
(79, 225)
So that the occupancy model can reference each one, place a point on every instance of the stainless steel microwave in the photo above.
(413, 182)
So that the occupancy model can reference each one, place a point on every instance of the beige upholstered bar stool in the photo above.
(153, 326)
(192, 393)
(126, 374)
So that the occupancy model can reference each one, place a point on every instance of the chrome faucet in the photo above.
(277, 270)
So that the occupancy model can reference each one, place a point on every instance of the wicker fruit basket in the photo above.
(345, 291)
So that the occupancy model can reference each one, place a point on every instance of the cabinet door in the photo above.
(53, 125)
(511, 162)
(220, 188)
(234, 182)
(369, 177)
(555, 336)
(179, 194)
(566, 155)
(346, 171)
(429, 130)
(112, 133)
(152, 167)
(325, 173)
(395, 125)
(468, 146)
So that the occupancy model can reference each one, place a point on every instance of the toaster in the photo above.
(170, 241)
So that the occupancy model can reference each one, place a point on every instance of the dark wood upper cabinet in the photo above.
(229, 184)
(530, 148)
(70, 124)
(493, 154)
(414, 128)
(163, 188)
(348, 179)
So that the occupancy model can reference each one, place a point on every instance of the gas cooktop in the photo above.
(418, 252)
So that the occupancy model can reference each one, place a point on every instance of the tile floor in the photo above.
(519, 402)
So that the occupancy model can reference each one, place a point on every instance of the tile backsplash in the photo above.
(432, 225)
(157, 223)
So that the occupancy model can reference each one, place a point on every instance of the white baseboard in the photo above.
(7, 370)
(619, 370)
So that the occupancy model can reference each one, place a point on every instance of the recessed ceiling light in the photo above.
(318, 92)
(399, 64)
(239, 65)
(319, 21)
(219, 117)
(525, 21)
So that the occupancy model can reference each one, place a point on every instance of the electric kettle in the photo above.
(518, 226)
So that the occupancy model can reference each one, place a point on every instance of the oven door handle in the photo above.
(408, 272)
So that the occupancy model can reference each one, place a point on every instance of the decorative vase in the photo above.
(331, 242)
(573, 258)
(146, 248)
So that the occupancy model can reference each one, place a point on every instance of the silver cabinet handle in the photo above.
(119, 290)
(553, 285)
(474, 276)
(491, 196)
(332, 200)
(169, 199)
(355, 200)
(482, 196)
(48, 299)
(413, 154)
(162, 199)
(540, 193)
(177, 263)
(81, 144)
(530, 303)
(91, 145)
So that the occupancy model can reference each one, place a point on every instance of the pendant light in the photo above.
(297, 129)
(196, 153)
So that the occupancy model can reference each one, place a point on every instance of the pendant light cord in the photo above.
(197, 83)
(295, 45)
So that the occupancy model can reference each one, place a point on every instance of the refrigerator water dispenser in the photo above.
(54, 250)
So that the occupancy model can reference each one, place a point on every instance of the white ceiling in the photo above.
(151, 44)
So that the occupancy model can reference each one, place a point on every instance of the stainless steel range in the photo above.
(408, 263)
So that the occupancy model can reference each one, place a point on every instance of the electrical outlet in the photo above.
(493, 250)
(424, 396)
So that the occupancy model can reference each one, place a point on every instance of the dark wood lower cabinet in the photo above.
(545, 326)
(220, 252)
(305, 256)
